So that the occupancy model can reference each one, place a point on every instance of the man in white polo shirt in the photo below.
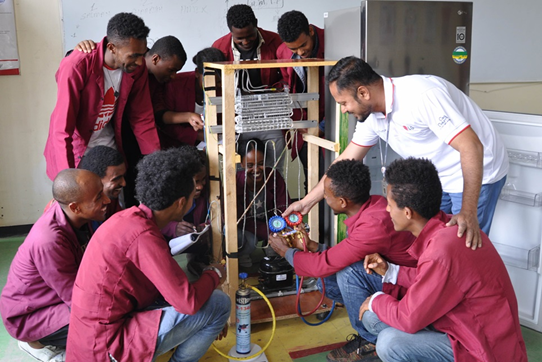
(424, 116)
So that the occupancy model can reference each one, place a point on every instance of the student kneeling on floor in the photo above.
(36, 300)
(117, 309)
(460, 304)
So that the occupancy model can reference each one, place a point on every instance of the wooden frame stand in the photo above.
(227, 187)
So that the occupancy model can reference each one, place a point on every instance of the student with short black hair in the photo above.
(128, 272)
(183, 96)
(95, 90)
(261, 192)
(302, 40)
(108, 164)
(246, 41)
(369, 230)
(460, 304)
(37, 298)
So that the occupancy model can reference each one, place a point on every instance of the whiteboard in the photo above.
(506, 36)
(196, 23)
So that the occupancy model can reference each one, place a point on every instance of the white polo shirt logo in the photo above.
(443, 121)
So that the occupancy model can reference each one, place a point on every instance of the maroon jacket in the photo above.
(369, 231)
(290, 77)
(126, 267)
(463, 293)
(179, 96)
(268, 51)
(37, 297)
(80, 80)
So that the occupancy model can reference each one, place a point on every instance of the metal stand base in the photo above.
(254, 348)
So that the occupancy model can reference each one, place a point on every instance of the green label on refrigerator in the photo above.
(460, 55)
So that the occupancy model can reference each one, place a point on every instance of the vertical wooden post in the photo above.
(229, 183)
(312, 149)
(213, 167)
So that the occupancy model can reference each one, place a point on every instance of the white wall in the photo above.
(26, 102)
(509, 97)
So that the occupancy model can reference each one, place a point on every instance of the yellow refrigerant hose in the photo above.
(270, 339)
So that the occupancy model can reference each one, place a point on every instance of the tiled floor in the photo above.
(291, 334)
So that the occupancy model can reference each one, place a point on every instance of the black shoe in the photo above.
(356, 349)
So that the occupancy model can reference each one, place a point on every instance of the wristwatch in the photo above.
(215, 269)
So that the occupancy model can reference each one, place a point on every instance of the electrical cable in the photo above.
(270, 339)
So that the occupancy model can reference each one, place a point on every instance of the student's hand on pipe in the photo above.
(278, 243)
(467, 223)
(184, 227)
(374, 262)
(364, 307)
(223, 333)
(86, 46)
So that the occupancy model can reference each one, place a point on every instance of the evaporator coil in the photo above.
(263, 112)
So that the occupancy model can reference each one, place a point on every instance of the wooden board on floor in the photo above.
(285, 307)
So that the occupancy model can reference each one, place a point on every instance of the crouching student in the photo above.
(117, 311)
(460, 304)
(36, 301)
(108, 163)
(370, 229)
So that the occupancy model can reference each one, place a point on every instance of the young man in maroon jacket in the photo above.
(460, 304)
(347, 187)
(165, 58)
(131, 300)
(36, 300)
(302, 40)
(94, 91)
(246, 41)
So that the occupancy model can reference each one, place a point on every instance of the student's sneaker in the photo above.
(45, 354)
(61, 357)
(356, 349)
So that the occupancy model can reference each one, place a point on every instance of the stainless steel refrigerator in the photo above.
(398, 38)
(422, 37)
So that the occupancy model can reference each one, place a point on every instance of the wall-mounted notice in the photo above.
(9, 54)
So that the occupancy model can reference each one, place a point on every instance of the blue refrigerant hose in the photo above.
(303, 318)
